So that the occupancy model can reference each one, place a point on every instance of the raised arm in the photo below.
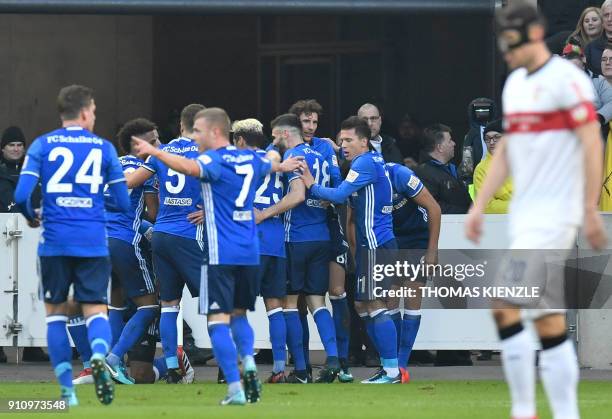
(178, 163)
(337, 195)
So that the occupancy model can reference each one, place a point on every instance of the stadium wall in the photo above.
(41, 53)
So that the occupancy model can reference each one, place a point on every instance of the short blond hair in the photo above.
(251, 130)
(217, 118)
(249, 125)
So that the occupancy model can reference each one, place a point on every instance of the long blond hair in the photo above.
(579, 34)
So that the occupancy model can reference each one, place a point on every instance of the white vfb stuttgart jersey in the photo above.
(541, 111)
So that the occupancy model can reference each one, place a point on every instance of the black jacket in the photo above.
(450, 193)
(593, 52)
(9, 176)
(389, 150)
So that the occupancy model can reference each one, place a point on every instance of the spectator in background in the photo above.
(499, 203)
(12, 146)
(11, 159)
(410, 141)
(603, 89)
(441, 179)
(588, 28)
(594, 49)
(383, 144)
(481, 111)
(439, 175)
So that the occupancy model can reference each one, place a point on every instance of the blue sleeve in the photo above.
(265, 167)
(362, 173)
(406, 182)
(271, 146)
(151, 185)
(32, 162)
(119, 192)
(23, 195)
(210, 166)
(151, 164)
(114, 170)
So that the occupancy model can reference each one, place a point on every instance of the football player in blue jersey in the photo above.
(370, 191)
(73, 165)
(308, 249)
(132, 273)
(178, 235)
(130, 253)
(416, 225)
(229, 284)
(309, 111)
(248, 134)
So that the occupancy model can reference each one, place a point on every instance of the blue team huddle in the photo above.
(232, 216)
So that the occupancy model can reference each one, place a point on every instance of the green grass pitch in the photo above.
(426, 399)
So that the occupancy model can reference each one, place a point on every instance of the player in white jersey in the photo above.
(553, 151)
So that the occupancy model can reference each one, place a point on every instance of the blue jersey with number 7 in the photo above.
(73, 165)
(230, 178)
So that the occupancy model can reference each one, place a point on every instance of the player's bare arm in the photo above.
(434, 218)
(594, 229)
(294, 197)
(180, 164)
(137, 178)
(498, 172)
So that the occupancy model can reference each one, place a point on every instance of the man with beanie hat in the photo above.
(12, 145)
(13, 151)
(499, 203)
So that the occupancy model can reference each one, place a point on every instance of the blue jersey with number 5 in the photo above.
(230, 178)
(73, 165)
(271, 231)
(179, 195)
(308, 221)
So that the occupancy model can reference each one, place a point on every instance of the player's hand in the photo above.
(431, 257)
(594, 230)
(332, 143)
(259, 217)
(473, 225)
(196, 217)
(306, 176)
(141, 146)
(35, 222)
(291, 164)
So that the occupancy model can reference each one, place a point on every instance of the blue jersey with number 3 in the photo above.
(230, 178)
(308, 221)
(271, 231)
(73, 165)
(179, 195)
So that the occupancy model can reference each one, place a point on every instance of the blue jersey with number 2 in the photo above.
(73, 165)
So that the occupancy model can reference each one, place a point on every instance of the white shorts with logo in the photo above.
(537, 259)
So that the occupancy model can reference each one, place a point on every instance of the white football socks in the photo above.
(518, 360)
(559, 374)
